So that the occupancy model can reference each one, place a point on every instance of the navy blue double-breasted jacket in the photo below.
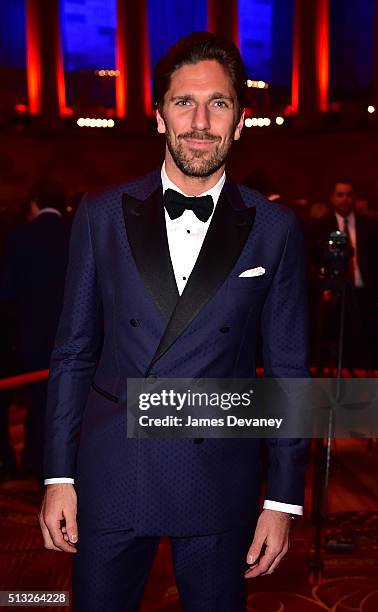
(123, 317)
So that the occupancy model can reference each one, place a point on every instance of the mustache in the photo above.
(199, 136)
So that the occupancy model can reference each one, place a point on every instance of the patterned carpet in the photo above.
(350, 581)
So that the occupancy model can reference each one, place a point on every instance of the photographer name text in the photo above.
(229, 421)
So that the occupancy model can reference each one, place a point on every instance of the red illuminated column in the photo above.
(133, 89)
(223, 18)
(44, 60)
(322, 54)
(376, 62)
(310, 73)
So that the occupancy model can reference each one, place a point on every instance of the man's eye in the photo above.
(182, 102)
(221, 103)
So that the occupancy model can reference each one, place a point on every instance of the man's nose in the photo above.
(201, 118)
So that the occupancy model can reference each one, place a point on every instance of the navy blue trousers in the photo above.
(111, 568)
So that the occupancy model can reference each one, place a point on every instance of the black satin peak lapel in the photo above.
(223, 244)
(146, 231)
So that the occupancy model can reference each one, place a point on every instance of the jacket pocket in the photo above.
(108, 396)
(248, 283)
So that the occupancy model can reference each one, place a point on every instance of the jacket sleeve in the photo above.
(75, 353)
(285, 351)
(12, 265)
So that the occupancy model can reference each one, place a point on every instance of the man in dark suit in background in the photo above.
(8, 360)
(169, 276)
(360, 329)
(33, 274)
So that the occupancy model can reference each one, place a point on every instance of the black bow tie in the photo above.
(176, 203)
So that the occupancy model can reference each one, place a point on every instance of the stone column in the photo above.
(375, 103)
(223, 18)
(45, 72)
(310, 58)
(133, 89)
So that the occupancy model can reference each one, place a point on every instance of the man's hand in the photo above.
(272, 533)
(58, 518)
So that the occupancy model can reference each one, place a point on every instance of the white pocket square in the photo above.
(252, 272)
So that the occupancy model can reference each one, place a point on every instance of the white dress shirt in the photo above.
(185, 238)
(187, 233)
(358, 282)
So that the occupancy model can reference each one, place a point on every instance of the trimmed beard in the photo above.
(197, 164)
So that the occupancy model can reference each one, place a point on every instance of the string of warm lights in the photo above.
(257, 84)
(95, 123)
(107, 73)
(262, 121)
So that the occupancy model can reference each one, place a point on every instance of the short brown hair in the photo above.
(343, 180)
(48, 193)
(198, 47)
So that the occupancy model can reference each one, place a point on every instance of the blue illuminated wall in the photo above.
(88, 32)
(282, 42)
(255, 33)
(266, 29)
(12, 34)
(265, 32)
(351, 48)
(170, 20)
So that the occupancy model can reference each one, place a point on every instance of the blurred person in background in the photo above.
(8, 360)
(360, 333)
(318, 210)
(362, 205)
(32, 280)
(260, 181)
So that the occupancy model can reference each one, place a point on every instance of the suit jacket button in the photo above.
(134, 322)
(224, 329)
(151, 378)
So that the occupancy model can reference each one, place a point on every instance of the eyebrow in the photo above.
(217, 95)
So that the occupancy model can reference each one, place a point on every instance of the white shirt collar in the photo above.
(214, 192)
(341, 221)
(49, 209)
(350, 217)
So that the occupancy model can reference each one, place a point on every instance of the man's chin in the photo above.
(200, 166)
(198, 171)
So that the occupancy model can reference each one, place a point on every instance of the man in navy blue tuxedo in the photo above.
(155, 288)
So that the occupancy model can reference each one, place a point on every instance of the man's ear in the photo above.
(239, 126)
(160, 123)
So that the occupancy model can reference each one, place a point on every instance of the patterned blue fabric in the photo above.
(111, 568)
(170, 487)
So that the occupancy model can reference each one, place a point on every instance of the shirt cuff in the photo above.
(281, 507)
(59, 481)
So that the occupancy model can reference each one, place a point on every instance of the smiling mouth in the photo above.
(200, 144)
